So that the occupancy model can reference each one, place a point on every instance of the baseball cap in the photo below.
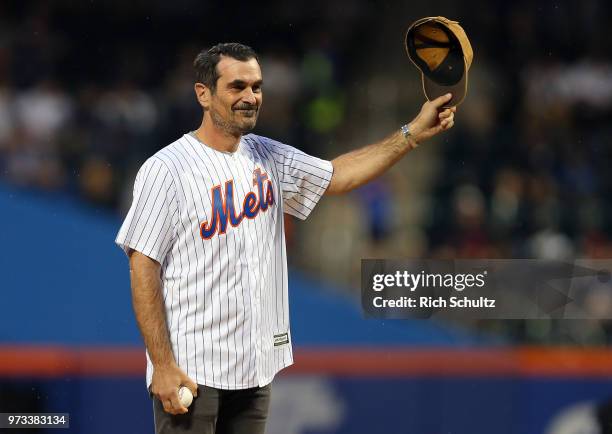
(440, 48)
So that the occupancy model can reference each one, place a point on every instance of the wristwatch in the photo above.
(405, 129)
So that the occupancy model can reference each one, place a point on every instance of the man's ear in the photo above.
(203, 95)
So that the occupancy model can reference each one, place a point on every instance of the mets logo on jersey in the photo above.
(224, 210)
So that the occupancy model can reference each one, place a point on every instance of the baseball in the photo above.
(185, 396)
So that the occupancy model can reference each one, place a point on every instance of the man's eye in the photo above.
(257, 89)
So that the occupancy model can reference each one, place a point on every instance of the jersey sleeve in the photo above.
(149, 226)
(303, 178)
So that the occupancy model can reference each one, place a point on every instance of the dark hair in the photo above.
(205, 63)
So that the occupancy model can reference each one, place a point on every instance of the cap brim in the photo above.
(434, 90)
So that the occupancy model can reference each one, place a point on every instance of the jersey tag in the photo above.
(281, 339)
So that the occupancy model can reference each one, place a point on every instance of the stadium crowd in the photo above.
(88, 92)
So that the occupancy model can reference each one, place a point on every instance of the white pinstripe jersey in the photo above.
(214, 221)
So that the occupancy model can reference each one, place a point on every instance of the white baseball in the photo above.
(185, 396)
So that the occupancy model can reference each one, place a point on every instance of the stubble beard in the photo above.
(235, 128)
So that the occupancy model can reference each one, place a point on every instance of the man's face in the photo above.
(234, 106)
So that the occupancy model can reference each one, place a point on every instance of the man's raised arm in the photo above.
(355, 168)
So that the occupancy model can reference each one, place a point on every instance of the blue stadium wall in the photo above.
(66, 303)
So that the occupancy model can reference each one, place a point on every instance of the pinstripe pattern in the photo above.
(225, 295)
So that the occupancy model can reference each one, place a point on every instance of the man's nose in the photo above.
(248, 96)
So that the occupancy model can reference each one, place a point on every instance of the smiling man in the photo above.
(206, 244)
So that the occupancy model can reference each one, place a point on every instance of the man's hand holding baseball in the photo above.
(165, 384)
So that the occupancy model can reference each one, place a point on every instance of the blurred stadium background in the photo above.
(88, 90)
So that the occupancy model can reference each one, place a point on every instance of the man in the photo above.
(206, 245)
